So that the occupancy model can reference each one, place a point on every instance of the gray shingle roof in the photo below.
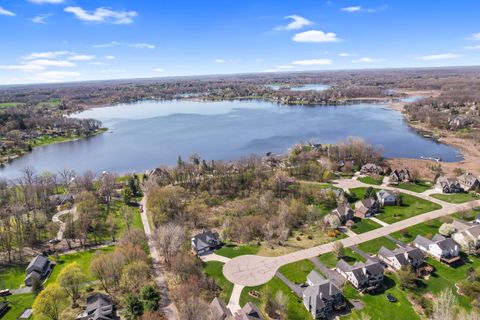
(422, 241)
(315, 278)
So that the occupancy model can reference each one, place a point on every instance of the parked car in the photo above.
(391, 298)
(5, 293)
(54, 241)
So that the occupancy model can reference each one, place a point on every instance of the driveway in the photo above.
(253, 270)
(293, 286)
(213, 257)
(61, 224)
(332, 275)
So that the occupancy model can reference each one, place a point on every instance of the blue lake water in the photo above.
(144, 135)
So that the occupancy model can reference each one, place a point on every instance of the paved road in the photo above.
(253, 270)
(167, 306)
(293, 286)
(234, 303)
(380, 222)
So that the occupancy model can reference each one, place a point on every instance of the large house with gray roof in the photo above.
(371, 169)
(466, 234)
(321, 296)
(401, 257)
(40, 268)
(364, 276)
(205, 242)
(99, 307)
(220, 311)
(468, 182)
(441, 248)
(446, 184)
(400, 175)
(343, 212)
(387, 197)
(366, 208)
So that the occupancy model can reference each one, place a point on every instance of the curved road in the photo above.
(253, 270)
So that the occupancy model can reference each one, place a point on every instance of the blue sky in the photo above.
(68, 40)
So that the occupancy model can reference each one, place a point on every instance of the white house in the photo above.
(466, 233)
(440, 248)
(363, 276)
(386, 197)
(401, 256)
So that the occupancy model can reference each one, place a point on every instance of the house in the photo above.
(466, 234)
(60, 199)
(363, 276)
(366, 208)
(387, 197)
(401, 256)
(3, 308)
(338, 193)
(468, 182)
(440, 248)
(445, 184)
(321, 296)
(343, 212)
(99, 307)
(220, 311)
(400, 175)
(39, 268)
(371, 169)
(205, 242)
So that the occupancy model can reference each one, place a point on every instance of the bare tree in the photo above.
(170, 238)
(445, 305)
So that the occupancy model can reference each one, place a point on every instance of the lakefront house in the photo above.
(400, 175)
(371, 169)
(446, 184)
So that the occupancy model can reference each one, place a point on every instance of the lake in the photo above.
(304, 87)
(144, 135)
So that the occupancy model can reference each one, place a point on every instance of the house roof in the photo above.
(415, 253)
(447, 244)
(99, 307)
(315, 277)
(38, 263)
(219, 309)
(461, 225)
(203, 240)
(33, 274)
(343, 210)
(422, 241)
(248, 312)
(382, 194)
(317, 294)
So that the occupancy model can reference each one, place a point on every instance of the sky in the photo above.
(46, 41)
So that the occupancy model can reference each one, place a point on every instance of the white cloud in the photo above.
(23, 67)
(109, 57)
(103, 15)
(473, 47)
(51, 63)
(219, 60)
(441, 56)
(46, 55)
(312, 62)
(285, 67)
(107, 45)
(475, 36)
(46, 1)
(298, 22)
(41, 19)
(81, 57)
(367, 60)
(346, 54)
(143, 46)
(53, 76)
(5, 12)
(270, 70)
(352, 9)
(315, 36)
(158, 70)
(96, 63)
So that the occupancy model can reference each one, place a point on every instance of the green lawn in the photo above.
(232, 250)
(4, 105)
(427, 229)
(374, 245)
(378, 307)
(411, 206)
(297, 272)
(83, 258)
(364, 225)
(330, 260)
(455, 197)
(371, 180)
(12, 277)
(295, 308)
(419, 187)
(46, 140)
(214, 270)
(17, 304)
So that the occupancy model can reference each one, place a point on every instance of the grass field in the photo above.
(427, 229)
(17, 304)
(231, 250)
(378, 307)
(4, 105)
(419, 187)
(214, 270)
(297, 272)
(374, 245)
(46, 140)
(330, 260)
(371, 180)
(83, 258)
(12, 277)
(455, 197)
(364, 225)
(295, 307)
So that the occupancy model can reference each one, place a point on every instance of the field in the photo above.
(12, 277)
(18, 303)
(364, 225)
(214, 270)
(4, 105)
(330, 260)
(295, 307)
(419, 187)
(371, 180)
(297, 272)
(455, 197)
(230, 250)
(374, 245)
(427, 229)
